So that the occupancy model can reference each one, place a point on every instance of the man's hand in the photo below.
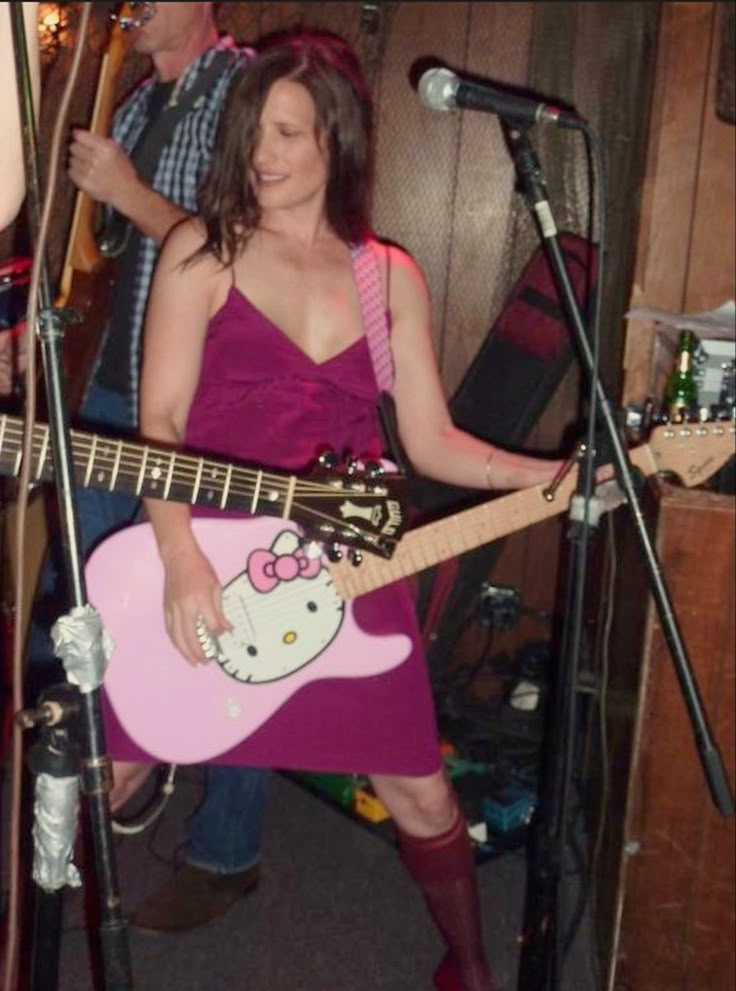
(101, 169)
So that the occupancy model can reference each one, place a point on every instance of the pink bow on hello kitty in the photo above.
(266, 569)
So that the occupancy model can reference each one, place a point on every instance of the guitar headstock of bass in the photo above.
(351, 507)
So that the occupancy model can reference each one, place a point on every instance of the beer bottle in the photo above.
(681, 392)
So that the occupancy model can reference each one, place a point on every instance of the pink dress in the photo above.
(262, 400)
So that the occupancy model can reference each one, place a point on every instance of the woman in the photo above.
(255, 348)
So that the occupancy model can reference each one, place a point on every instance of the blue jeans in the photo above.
(225, 831)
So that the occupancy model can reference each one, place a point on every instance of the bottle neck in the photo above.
(684, 362)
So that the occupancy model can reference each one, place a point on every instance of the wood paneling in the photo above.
(711, 276)
(667, 877)
(685, 254)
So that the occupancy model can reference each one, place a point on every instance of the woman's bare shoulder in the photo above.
(183, 246)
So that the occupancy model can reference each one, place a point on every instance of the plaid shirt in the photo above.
(180, 167)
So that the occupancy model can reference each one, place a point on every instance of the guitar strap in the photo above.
(374, 311)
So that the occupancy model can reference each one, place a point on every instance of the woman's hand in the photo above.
(192, 593)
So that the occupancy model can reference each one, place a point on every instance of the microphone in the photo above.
(441, 89)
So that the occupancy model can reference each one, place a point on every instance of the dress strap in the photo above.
(373, 309)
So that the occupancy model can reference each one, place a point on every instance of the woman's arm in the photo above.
(436, 447)
(180, 304)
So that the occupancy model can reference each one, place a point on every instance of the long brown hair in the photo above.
(328, 68)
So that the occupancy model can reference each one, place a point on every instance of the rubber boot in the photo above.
(444, 868)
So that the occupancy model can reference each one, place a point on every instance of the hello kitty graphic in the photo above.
(291, 628)
(284, 611)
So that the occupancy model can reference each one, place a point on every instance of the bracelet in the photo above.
(488, 470)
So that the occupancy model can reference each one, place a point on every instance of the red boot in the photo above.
(444, 869)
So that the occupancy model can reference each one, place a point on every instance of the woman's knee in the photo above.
(424, 806)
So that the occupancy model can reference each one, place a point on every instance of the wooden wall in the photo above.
(685, 254)
(665, 902)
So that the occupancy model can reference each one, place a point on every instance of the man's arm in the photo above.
(12, 170)
(101, 169)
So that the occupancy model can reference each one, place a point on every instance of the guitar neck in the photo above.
(82, 254)
(428, 545)
(146, 471)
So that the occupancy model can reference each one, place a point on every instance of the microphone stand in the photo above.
(71, 750)
(540, 962)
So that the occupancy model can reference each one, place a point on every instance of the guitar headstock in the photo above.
(692, 451)
(361, 507)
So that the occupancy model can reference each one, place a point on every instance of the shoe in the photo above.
(193, 897)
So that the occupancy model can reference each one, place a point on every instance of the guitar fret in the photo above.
(256, 492)
(289, 498)
(226, 486)
(2, 434)
(103, 456)
(211, 482)
(197, 481)
(115, 466)
(42, 455)
(90, 462)
(169, 475)
(142, 472)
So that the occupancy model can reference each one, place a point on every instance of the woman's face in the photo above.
(290, 164)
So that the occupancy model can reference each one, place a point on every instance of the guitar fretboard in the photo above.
(432, 543)
(147, 471)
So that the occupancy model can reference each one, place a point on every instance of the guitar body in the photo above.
(290, 629)
(90, 298)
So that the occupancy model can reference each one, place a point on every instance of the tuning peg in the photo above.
(374, 469)
(329, 460)
(356, 557)
(334, 553)
(351, 465)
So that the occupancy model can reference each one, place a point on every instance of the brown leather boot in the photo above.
(444, 868)
(193, 897)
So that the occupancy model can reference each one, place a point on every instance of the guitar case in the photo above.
(502, 397)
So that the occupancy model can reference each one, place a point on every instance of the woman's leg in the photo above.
(436, 851)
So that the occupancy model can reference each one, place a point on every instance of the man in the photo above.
(147, 175)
